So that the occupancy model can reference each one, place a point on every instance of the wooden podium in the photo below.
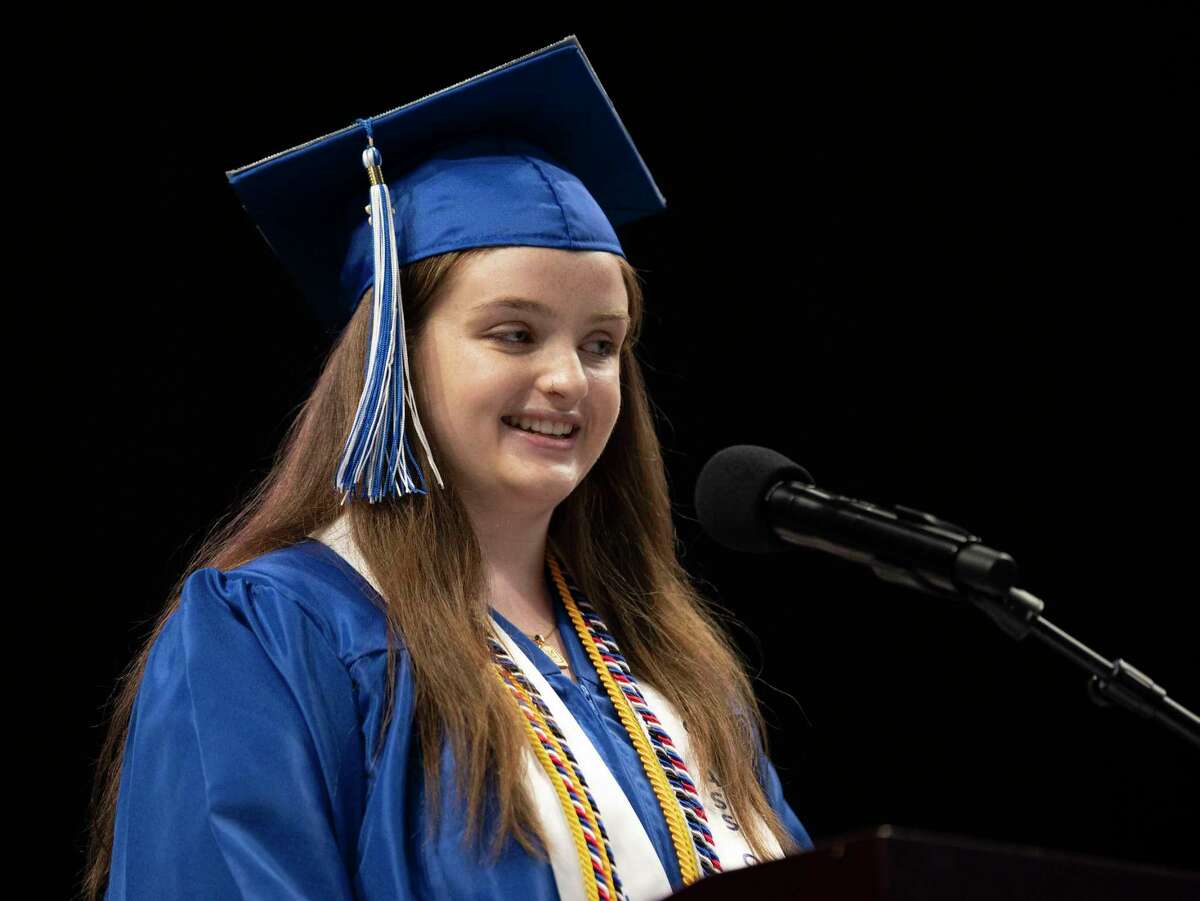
(890, 864)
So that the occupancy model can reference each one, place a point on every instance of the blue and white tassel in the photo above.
(378, 447)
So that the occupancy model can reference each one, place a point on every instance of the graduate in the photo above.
(446, 649)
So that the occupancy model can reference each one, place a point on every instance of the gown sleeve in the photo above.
(774, 791)
(242, 774)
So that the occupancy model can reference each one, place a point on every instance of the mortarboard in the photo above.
(528, 153)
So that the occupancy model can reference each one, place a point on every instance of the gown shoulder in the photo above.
(327, 590)
(243, 773)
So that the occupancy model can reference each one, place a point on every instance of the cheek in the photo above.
(606, 391)
(469, 392)
(448, 389)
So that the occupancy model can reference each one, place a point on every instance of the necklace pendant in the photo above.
(550, 651)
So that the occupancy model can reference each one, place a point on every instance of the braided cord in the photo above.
(578, 805)
(660, 763)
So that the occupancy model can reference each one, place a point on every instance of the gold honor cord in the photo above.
(586, 866)
(681, 835)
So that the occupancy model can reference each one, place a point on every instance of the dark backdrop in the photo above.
(941, 266)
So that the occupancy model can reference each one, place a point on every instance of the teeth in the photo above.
(545, 426)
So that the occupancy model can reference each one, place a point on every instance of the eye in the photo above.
(505, 337)
(607, 350)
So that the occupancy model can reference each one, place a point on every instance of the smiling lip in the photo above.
(547, 415)
(547, 441)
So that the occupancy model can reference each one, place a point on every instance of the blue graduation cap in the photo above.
(528, 153)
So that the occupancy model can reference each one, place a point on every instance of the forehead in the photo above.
(565, 281)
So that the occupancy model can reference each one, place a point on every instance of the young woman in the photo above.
(446, 650)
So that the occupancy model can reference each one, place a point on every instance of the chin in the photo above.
(543, 494)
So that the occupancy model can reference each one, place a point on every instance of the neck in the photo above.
(514, 550)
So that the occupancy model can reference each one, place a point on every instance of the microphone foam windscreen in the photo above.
(731, 491)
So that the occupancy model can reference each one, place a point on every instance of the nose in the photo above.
(563, 376)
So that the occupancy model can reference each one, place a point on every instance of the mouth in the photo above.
(543, 439)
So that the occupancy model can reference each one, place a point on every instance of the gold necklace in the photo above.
(550, 651)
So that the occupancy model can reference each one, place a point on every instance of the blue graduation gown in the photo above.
(248, 769)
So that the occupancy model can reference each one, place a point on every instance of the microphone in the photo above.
(753, 499)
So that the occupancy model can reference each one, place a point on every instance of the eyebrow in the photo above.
(525, 305)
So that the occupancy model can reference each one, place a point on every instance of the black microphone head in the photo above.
(731, 491)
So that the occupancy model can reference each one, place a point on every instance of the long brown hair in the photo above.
(614, 533)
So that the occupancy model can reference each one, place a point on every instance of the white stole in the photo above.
(642, 874)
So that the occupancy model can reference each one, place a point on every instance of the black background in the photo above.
(944, 265)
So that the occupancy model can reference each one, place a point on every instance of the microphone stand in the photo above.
(985, 576)
(942, 559)
(1113, 683)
